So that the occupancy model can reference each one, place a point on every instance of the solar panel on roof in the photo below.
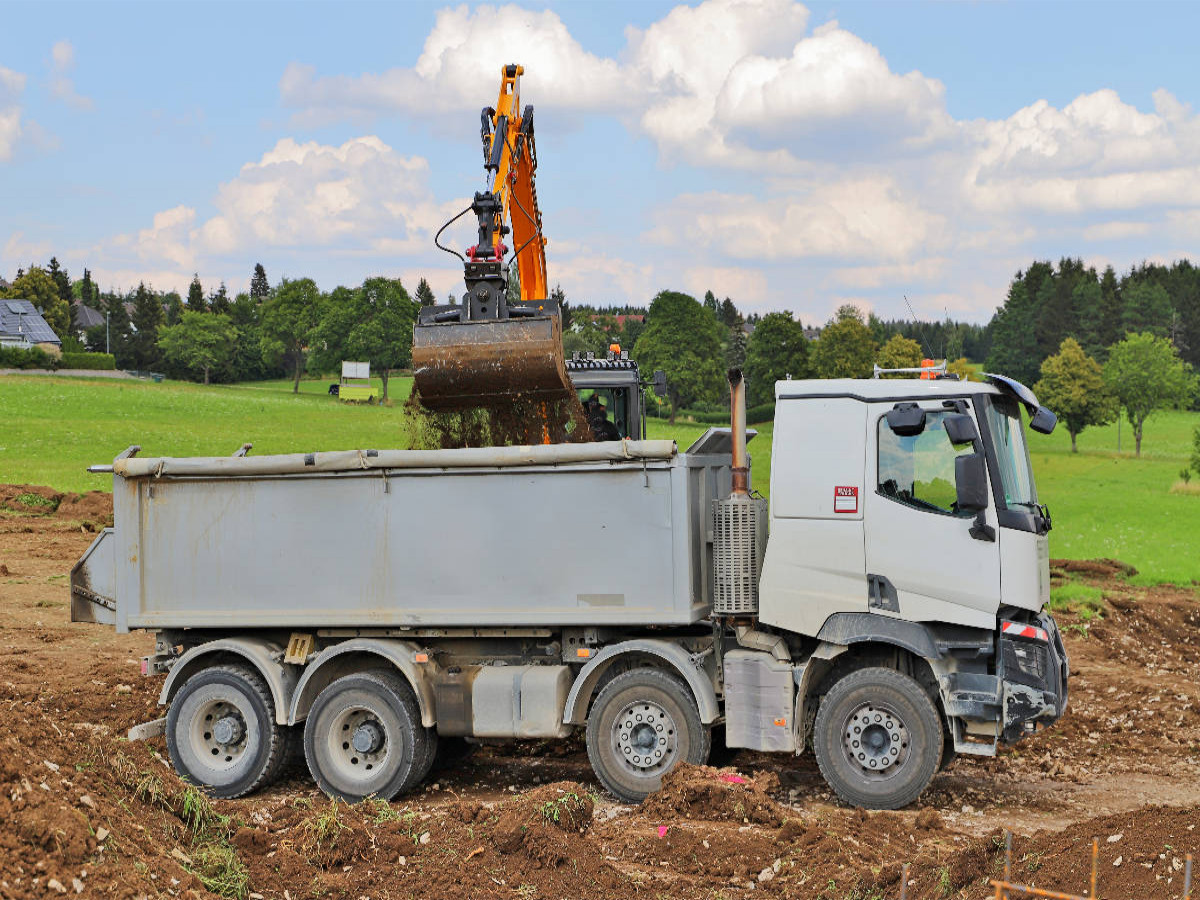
(16, 306)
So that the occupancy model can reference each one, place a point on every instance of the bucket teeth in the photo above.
(464, 364)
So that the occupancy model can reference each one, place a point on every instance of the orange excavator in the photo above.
(488, 350)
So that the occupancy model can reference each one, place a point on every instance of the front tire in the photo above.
(364, 737)
(641, 726)
(221, 732)
(878, 739)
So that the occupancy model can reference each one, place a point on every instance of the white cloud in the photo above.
(362, 194)
(868, 218)
(1115, 231)
(62, 56)
(866, 277)
(463, 56)
(12, 85)
(834, 90)
(360, 199)
(748, 285)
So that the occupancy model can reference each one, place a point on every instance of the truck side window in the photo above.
(918, 471)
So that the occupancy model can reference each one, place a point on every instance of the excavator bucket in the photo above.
(481, 363)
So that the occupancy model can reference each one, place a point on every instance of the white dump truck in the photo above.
(894, 618)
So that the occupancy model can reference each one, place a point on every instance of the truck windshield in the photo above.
(1012, 453)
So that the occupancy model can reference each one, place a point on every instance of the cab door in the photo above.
(925, 562)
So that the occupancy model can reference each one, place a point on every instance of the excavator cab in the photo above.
(486, 351)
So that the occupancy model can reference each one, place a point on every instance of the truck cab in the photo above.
(904, 518)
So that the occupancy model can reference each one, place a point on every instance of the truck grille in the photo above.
(739, 542)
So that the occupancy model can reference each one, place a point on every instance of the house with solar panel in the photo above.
(21, 325)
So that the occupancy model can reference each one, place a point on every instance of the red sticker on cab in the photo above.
(845, 499)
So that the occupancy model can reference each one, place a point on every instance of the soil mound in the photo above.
(94, 507)
(1141, 854)
(1099, 568)
(546, 823)
(703, 792)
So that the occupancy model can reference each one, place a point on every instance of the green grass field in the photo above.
(51, 429)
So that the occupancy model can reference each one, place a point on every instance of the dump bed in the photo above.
(592, 534)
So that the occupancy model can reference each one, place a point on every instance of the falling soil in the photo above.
(81, 809)
(510, 420)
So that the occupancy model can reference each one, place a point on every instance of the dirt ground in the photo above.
(84, 811)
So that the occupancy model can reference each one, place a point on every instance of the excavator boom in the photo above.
(487, 350)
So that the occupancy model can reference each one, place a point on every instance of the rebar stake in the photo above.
(1187, 878)
(904, 878)
(1095, 862)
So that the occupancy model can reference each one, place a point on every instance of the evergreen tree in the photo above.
(1147, 308)
(89, 292)
(62, 281)
(174, 308)
(147, 317)
(116, 338)
(1014, 341)
(711, 303)
(1111, 310)
(730, 317)
(424, 296)
(219, 302)
(260, 288)
(559, 296)
(195, 297)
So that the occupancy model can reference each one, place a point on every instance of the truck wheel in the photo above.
(878, 739)
(364, 737)
(642, 724)
(221, 732)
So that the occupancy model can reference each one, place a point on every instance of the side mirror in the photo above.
(906, 419)
(1043, 421)
(970, 482)
(960, 428)
(659, 383)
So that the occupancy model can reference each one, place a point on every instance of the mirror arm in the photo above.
(981, 530)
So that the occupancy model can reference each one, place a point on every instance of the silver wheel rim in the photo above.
(875, 741)
(645, 738)
(357, 745)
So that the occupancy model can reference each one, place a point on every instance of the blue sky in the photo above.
(787, 156)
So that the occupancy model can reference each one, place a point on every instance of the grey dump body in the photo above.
(590, 534)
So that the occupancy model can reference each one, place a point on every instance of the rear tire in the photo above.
(364, 737)
(878, 739)
(641, 726)
(221, 732)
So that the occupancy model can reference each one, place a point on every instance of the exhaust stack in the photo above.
(737, 417)
(739, 522)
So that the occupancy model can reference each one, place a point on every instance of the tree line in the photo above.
(293, 327)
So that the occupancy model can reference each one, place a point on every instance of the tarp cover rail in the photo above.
(351, 460)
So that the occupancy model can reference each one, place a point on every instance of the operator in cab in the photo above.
(598, 421)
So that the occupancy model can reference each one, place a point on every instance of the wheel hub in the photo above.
(645, 736)
(875, 739)
(358, 743)
(219, 734)
(228, 730)
(368, 737)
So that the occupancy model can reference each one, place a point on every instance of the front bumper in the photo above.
(1029, 688)
(1033, 675)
